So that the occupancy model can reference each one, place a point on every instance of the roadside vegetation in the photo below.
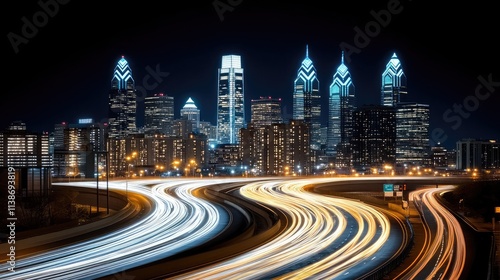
(476, 199)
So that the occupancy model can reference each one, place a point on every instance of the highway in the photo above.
(443, 254)
(178, 221)
(325, 237)
(321, 237)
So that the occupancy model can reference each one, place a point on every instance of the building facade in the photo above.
(342, 103)
(191, 113)
(307, 99)
(394, 84)
(266, 111)
(122, 101)
(82, 149)
(230, 100)
(158, 113)
(412, 134)
(277, 149)
(374, 137)
(477, 154)
(26, 155)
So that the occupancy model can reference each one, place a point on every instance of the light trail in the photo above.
(326, 237)
(444, 252)
(176, 223)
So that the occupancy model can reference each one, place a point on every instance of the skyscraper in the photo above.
(342, 104)
(374, 137)
(412, 134)
(158, 113)
(393, 82)
(307, 100)
(230, 100)
(191, 113)
(122, 101)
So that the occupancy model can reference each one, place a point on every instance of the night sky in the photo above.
(62, 70)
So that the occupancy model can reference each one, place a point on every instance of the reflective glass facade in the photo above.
(393, 82)
(342, 103)
(122, 101)
(307, 99)
(158, 113)
(230, 100)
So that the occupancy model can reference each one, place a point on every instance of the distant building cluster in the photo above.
(390, 137)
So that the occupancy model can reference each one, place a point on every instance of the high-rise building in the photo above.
(158, 113)
(264, 148)
(412, 134)
(307, 99)
(393, 82)
(266, 111)
(122, 101)
(230, 100)
(342, 104)
(22, 148)
(25, 154)
(374, 137)
(191, 113)
(81, 144)
(439, 155)
(478, 154)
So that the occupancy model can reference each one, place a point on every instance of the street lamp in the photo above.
(192, 164)
(128, 159)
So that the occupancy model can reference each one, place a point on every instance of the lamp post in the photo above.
(128, 159)
(126, 178)
(192, 164)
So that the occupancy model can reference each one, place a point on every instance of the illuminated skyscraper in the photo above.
(412, 134)
(342, 104)
(122, 101)
(191, 113)
(393, 82)
(230, 100)
(307, 100)
(158, 113)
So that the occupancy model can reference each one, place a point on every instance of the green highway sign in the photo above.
(388, 187)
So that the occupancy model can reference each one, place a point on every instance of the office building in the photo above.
(374, 137)
(26, 154)
(307, 99)
(266, 111)
(82, 150)
(342, 103)
(122, 101)
(394, 84)
(412, 134)
(477, 154)
(192, 114)
(230, 100)
(158, 113)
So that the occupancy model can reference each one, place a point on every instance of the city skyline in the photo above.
(72, 79)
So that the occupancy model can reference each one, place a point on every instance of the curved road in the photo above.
(178, 221)
(444, 252)
(325, 237)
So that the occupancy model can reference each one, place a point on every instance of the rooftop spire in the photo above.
(307, 50)
(342, 57)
